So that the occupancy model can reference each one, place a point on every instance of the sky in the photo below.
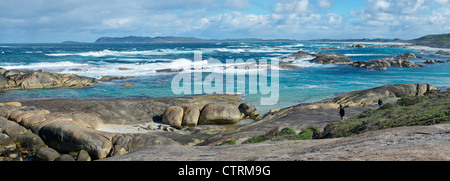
(52, 21)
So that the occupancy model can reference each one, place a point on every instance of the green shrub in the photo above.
(306, 134)
(230, 142)
(367, 113)
(257, 139)
(286, 132)
(386, 106)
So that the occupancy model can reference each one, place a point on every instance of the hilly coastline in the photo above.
(437, 41)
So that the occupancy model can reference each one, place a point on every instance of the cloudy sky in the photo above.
(32, 21)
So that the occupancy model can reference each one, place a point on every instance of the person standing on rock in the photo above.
(341, 111)
(380, 102)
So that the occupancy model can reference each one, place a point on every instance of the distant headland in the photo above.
(436, 41)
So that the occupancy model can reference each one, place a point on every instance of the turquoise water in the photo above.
(310, 83)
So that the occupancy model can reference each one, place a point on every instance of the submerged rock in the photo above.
(108, 78)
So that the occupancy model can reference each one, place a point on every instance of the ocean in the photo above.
(310, 83)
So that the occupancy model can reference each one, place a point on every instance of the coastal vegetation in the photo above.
(408, 111)
(438, 41)
(285, 134)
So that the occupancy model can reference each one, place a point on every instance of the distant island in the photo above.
(437, 41)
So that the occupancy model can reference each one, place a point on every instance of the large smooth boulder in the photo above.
(46, 154)
(65, 158)
(219, 114)
(23, 137)
(4, 84)
(6, 143)
(66, 137)
(191, 114)
(83, 156)
(173, 116)
(125, 143)
(26, 112)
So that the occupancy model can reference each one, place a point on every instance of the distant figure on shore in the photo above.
(341, 111)
(380, 102)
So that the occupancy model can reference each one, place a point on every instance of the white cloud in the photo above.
(298, 19)
(115, 22)
(301, 6)
(404, 18)
(334, 19)
(325, 4)
(440, 16)
(237, 4)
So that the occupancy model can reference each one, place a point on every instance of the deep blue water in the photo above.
(310, 83)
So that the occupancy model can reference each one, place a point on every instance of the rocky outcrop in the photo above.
(32, 128)
(321, 113)
(21, 136)
(320, 58)
(442, 52)
(375, 64)
(429, 61)
(125, 143)
(39, 80)
(71, 126)
(249, 111)
(66, 137)
(109, 78)
(213, 113)
(383, 63)
(386, 93)
(412, 143)
(364, 46)
(331, 59)
(127, 111)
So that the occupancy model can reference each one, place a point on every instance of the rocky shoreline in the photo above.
(40, 129)
(69, 130)
(408, 143)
